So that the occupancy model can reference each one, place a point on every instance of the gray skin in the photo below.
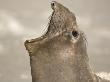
(60, 55)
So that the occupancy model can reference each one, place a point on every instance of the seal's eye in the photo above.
(75, 33)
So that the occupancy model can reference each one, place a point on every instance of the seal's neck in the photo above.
(84, 72)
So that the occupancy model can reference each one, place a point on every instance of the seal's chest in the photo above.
(56, 49)
(53, 60)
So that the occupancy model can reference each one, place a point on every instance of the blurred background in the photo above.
(27, 19)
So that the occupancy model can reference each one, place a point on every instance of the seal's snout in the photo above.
(53, 4)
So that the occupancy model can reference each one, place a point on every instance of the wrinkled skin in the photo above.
(60, 54)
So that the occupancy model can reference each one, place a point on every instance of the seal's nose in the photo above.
(52, 3)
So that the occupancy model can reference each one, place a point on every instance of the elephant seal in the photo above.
(60, 55)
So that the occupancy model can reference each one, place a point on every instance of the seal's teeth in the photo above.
(27, 41)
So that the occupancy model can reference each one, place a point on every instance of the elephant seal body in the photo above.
(60, 54)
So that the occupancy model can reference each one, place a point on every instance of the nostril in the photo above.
(75, 33)
(52, 3)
